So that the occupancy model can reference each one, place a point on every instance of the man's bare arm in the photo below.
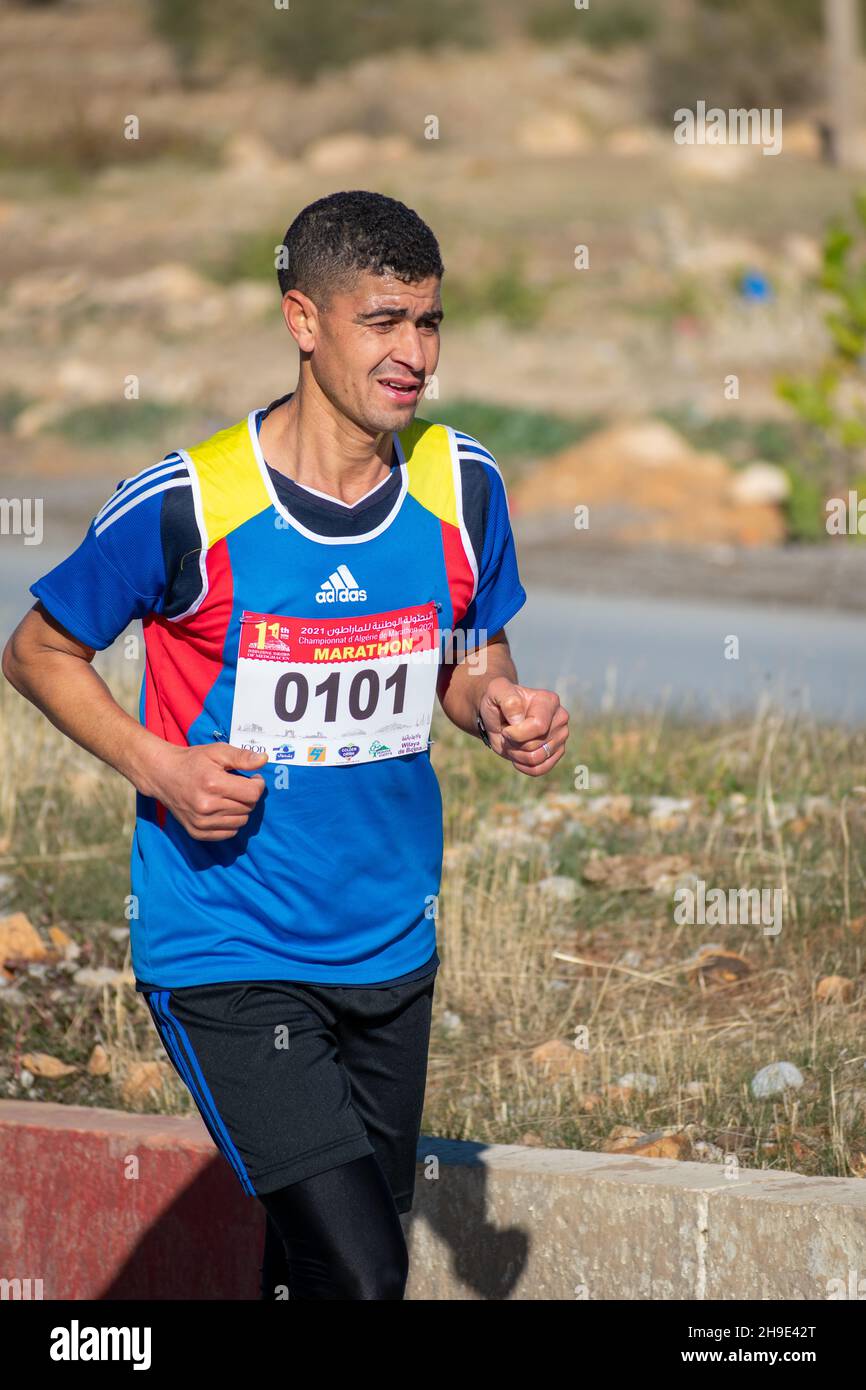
(529, 727)
(53, 670)
(462, 684)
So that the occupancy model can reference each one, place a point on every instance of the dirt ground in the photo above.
(149, 257)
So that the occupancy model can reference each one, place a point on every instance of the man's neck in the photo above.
(335, 458)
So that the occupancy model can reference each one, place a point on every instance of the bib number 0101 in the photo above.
(292, 693)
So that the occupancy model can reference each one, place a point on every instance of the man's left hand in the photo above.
(528, 727)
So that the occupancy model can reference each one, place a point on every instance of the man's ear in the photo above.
(302, 318)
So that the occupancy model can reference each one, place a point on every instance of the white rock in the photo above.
(511, 840)
(95, 978)
(775, 1078)
(712, 1152)
(451, 1022)
(760, 482)
(639, 1081)
(666, 807)
(558, 887)
(706, 950)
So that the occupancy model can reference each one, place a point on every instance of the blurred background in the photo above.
(663, 345)
(671, 377)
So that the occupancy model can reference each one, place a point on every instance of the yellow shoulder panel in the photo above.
(231, 484)
(427, 451)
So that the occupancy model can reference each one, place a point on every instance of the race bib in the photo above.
(328, 692)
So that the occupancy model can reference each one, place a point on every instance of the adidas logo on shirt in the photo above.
(341, 587)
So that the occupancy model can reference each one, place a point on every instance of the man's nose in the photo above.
(409, 348)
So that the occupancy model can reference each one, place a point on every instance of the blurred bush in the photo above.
(735, 53)
(603, 26)
(503, 292)
(831, 400)
(308, 36)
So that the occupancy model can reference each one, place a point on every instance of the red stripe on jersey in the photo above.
(185, 658)
(458, 569)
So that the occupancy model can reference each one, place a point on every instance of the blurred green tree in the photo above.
(831, 401)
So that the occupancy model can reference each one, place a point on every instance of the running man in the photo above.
(308, 580)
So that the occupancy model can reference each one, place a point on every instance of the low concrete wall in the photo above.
(506, 1221)
(105, 1204)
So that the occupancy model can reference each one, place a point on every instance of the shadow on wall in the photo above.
(208, 1242)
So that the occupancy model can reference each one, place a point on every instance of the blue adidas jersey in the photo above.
(334, 877)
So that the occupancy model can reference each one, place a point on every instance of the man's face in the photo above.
(375, 345)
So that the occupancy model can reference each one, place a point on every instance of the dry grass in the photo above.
(775, 803)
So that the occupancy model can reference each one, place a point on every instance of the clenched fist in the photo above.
(528, 727)
(196, 784)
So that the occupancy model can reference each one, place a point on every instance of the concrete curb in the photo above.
(110, 1205)
(506, 1221)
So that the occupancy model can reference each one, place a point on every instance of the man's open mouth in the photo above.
(400, 390)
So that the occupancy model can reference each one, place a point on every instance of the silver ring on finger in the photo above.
(546, 747)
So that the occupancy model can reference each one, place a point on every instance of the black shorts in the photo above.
(293, 1079)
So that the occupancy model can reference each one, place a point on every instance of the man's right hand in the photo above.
(196, 784)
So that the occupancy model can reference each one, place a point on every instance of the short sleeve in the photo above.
(118, 572)
(499, 593)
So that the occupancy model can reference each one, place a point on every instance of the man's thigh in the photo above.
(383, 1037)
(261, 1061)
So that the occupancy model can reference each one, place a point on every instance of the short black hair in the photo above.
(337, 238)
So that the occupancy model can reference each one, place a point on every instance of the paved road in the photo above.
(637, 652)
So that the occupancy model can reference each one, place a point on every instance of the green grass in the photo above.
(67, 161)
(120, 422)
(251, 256)
(503, 293)
(604, 26)
(307, 38)
(11, 405)
(512, 435)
